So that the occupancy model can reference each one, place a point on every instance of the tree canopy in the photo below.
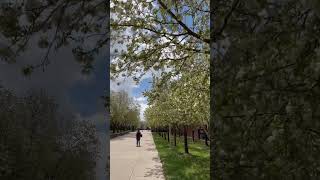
(180, 102)
(171, 38)
(265, 89)
(163, 36)
(51, 25)
(124, 111)
(37, 142)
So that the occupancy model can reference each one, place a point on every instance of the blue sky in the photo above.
(145, 84)
(137, 93)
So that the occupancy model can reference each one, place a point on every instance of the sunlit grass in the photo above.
(180, 166)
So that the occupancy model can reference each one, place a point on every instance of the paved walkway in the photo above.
(128, 162)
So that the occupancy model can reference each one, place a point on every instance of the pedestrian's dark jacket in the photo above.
(138, 135)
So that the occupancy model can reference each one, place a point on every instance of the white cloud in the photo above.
(143, 108)
(128, 84)
(142, 101)
(123, 83)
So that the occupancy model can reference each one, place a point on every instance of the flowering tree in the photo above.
(38, 142)
(265, 87)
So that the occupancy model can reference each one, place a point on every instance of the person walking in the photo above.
(138, 137)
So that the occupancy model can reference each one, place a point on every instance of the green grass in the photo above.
(180, 166)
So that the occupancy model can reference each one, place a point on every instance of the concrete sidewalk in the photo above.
(128, 162)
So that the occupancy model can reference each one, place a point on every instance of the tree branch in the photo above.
(185, 27)
(149, 29)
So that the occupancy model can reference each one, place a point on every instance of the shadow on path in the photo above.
(156, 171)
(131, 162)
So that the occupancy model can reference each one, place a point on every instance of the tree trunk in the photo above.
(193, 135)
(186, 149)
(168, 134)
(207, 140)
(175, 137)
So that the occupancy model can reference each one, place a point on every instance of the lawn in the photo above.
(180, 166)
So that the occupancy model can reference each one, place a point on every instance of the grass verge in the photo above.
(180, 166)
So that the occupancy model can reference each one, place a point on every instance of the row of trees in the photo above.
(124, 112)
(180, 103)
(37, 142)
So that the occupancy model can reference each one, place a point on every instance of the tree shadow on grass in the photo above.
(178, 165)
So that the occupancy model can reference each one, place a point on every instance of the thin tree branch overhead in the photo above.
(185, 27)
